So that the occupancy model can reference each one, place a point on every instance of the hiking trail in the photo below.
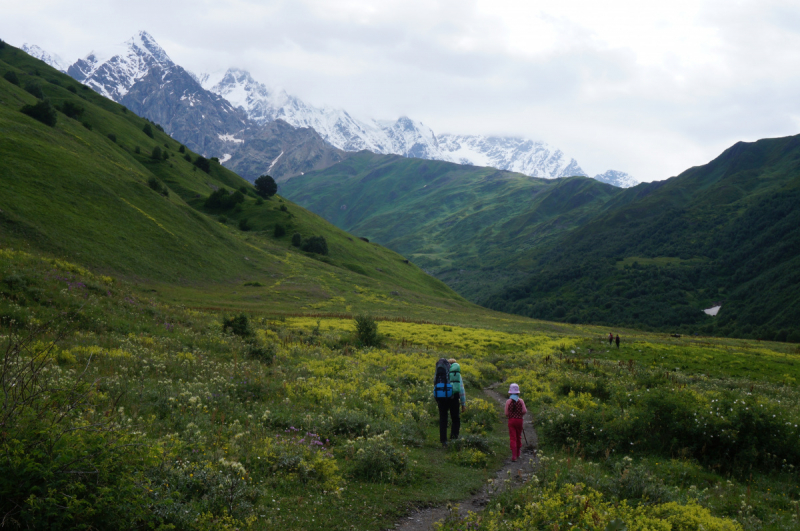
(518, 472)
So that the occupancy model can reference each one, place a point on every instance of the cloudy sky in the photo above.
(646, 87)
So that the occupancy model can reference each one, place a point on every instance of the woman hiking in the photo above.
(515, 410)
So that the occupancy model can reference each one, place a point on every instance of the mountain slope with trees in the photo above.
(107, 189)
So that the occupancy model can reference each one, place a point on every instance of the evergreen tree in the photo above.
(266, 186)
(148, 130)
(42, 111)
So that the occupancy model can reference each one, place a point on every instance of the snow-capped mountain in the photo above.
(521, 155)
(617, 178)
(113, 72)
(404, 136)
(220, 114)
(52, 59)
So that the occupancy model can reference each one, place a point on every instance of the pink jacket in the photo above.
(515, 411)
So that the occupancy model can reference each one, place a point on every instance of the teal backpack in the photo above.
(455, 378)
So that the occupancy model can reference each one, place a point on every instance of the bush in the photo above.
(265, 354)
(367, 331)
(297, 240)
(137, 150)
(259, 201)
(11, 77)
(112, 137)
(156, 154)
(72, 110)
(187, 158)
(222, 200)
(182, 149)
(473, 442)
(316, 244)
(238, 326)
(244, 225)
(72, 89)
(376, 459)
(87, 125)
(203, 163)
(148, 130)
(284, 209)
(41, 111)
(266, 186)
(469, 458)
(157, 186)
(34, 89)
(279, 231)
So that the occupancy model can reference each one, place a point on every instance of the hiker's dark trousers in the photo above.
(452, 405)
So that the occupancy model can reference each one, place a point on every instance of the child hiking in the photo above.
(515, 410)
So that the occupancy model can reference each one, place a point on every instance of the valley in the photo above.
(183, 349)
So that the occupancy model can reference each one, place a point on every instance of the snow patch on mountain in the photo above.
(52, 59)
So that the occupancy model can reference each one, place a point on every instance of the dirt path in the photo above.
(517, 472)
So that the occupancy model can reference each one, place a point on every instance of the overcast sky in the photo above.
(646, 87)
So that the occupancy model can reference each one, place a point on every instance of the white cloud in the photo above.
(650, 88)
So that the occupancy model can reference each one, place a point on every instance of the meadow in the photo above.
(138, 413)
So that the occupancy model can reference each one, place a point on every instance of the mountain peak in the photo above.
(112, 72)
(50, 58)
(617, 178)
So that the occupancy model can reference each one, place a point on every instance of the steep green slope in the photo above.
(725, 233)
(455, 220)
(84, 190)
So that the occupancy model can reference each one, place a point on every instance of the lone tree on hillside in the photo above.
(266, 186)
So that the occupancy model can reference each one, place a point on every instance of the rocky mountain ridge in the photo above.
(220, 114)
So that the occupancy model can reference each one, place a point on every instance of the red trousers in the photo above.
(515, 433)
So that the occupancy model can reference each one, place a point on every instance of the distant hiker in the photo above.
(610, 338)
(459, 398)
(617, 340)
(443, 393)
(515, 410)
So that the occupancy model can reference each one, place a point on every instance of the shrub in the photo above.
(367, 331)
(259, 201)
(316, 244)
(222, 200)
(41, 111)
(159, 128)
(182, 149)
(203, 163)
(87, 125)
(264, 354)
(239, 325)
(156, 154)
(11, 77)
(34, 89)
(473, 442)
(469, 458)
(244, 225)
(284, 209)
(157, 186)
(280, 231)
(297, 240)
(148, 130)
(112, 137)
(376, 459)
(266, 186)
(137, 150)
(72, 89)
(72, 110)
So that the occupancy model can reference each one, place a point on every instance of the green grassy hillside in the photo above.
(725, 233)
(88, 189)
(454, 220)
(576, 250)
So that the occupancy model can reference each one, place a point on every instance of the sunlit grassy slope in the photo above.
(72, 191)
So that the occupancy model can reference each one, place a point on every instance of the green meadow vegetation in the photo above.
(171, 360)
(579, 251)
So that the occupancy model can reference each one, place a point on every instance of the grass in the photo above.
(72, 192)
